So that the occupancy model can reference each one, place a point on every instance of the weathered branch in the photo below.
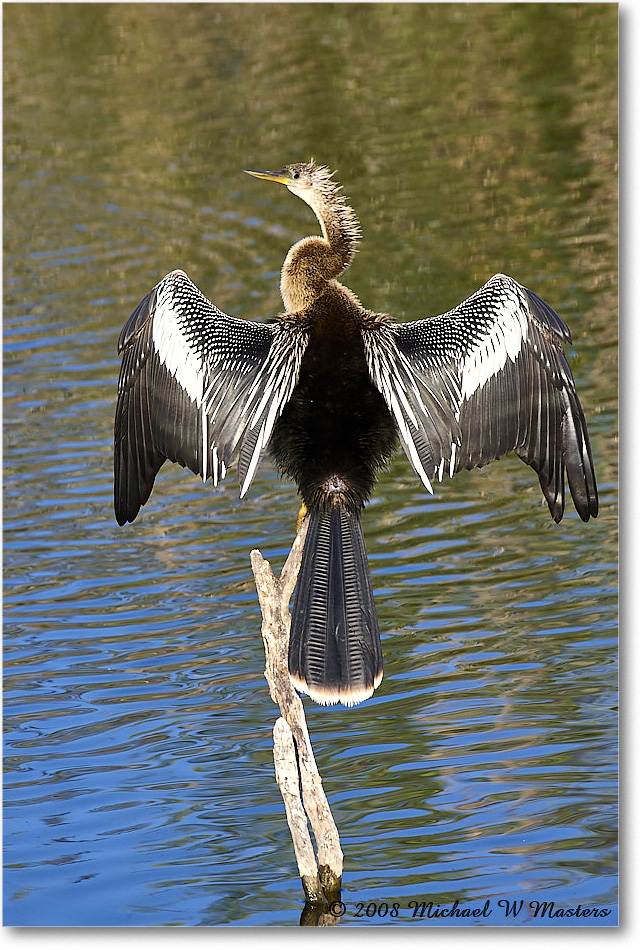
(295, 766)
(287, 776)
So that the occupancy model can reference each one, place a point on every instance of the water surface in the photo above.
(139, 785)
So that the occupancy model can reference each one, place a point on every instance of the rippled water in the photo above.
(139, 785)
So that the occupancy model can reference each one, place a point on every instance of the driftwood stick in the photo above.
(274, 597)
(287, 776)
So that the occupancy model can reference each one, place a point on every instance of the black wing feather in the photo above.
(196, 387)
(495, 369)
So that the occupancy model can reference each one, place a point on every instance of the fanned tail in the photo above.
(335, 651)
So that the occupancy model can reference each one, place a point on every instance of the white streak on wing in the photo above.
(215, 394)
(175, 351)
(273, 390)
(278, 377)
(416, 461)
(392, 393)
(215, 465)
(204, 441)
(411, 382)
(263, 403)
(269, 422)
(279, 384)
(408, 440)
(402, 396)
(254, 461)
(260, 378)
(453, 449)
(503, 340)
(207, 395)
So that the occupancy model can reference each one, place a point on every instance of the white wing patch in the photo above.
(502, 341)
(175, 351)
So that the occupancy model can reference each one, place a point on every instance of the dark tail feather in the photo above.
(335, 651)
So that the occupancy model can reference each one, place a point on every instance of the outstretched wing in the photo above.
(487, 378)
(196, 387)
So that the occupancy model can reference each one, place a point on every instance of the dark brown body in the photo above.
(336, 430)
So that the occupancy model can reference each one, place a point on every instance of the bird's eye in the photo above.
(294, 174)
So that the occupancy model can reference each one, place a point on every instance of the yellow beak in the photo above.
(281, 177)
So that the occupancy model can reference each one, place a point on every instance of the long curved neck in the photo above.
(314, 261)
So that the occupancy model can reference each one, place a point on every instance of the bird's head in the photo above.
(323, 257)
(311, 182)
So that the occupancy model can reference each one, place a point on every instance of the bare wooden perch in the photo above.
(295, 766)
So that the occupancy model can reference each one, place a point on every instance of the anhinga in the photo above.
(327, 389)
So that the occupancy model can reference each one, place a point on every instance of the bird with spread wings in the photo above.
(328, 389)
